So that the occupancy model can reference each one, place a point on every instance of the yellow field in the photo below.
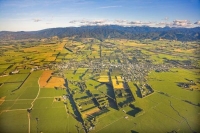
(90, 112)
(95, 53)
(119, 79)
(61, 46)
(80, 47)
(55, 82)
(103, 79)
(183, 50)
(50, 58)
(117, 86)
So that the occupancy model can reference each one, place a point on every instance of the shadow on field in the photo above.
(138, 91)
(134, 111)
(112, 99)
(132, 131)
(112, 104)
(97, 86)
(77, 114)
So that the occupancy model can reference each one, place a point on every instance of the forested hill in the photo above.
(111, 31)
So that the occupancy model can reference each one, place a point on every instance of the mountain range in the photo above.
(109, 31)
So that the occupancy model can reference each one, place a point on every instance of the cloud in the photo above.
(140, 23)
(163, 24)
(88, 22)
(73, 21)
(97, 22)
(120, 21)
(36, 20)
(181, 23)
(105, 7)
(176, 23)
(84, 21)
(111, 22)
(166, 18)
(197, 23)
(135, 22)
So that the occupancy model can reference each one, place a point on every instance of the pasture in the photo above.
(66, 85)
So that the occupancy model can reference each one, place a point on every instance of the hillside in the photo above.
(111, 31)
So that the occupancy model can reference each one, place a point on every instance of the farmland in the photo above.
(88, 85)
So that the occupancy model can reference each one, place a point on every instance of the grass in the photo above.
(46, 120)
(3, 67)
(24, 70)
(103, 79)
(6, 105)
(81, 70)
(14, 78)
(31, 86)
(16, 121)
(162, 82)
(49, 92)
(92, 83)
(163, 111)
(22, 104)
(6, 90)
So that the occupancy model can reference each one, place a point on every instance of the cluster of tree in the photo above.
(102, 101)
(122, 93)
(81, 85)
(109, 31)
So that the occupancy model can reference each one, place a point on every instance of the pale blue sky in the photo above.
(28, 15)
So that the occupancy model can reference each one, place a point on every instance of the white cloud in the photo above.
(89, 22)
(176, 23)
(36, 20)
(73, 21)
(163, 24)
(140, 23)
(181, 23)
(197, 23)
(166, 18)
(111, 22)
(121, 22)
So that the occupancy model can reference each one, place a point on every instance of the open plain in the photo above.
(99, 86)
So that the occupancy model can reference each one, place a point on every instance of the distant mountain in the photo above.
(109, 31)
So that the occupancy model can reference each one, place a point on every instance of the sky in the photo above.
(31, 15)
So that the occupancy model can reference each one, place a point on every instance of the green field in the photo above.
(105, 82)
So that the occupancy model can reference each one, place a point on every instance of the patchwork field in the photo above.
(83, 85)
(55, 82)
(44, 78)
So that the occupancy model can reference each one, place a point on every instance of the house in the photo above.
(14, 72)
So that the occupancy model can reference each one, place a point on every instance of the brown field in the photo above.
(2, 100)
(44, 77)
(55, 82)
(90, 112)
